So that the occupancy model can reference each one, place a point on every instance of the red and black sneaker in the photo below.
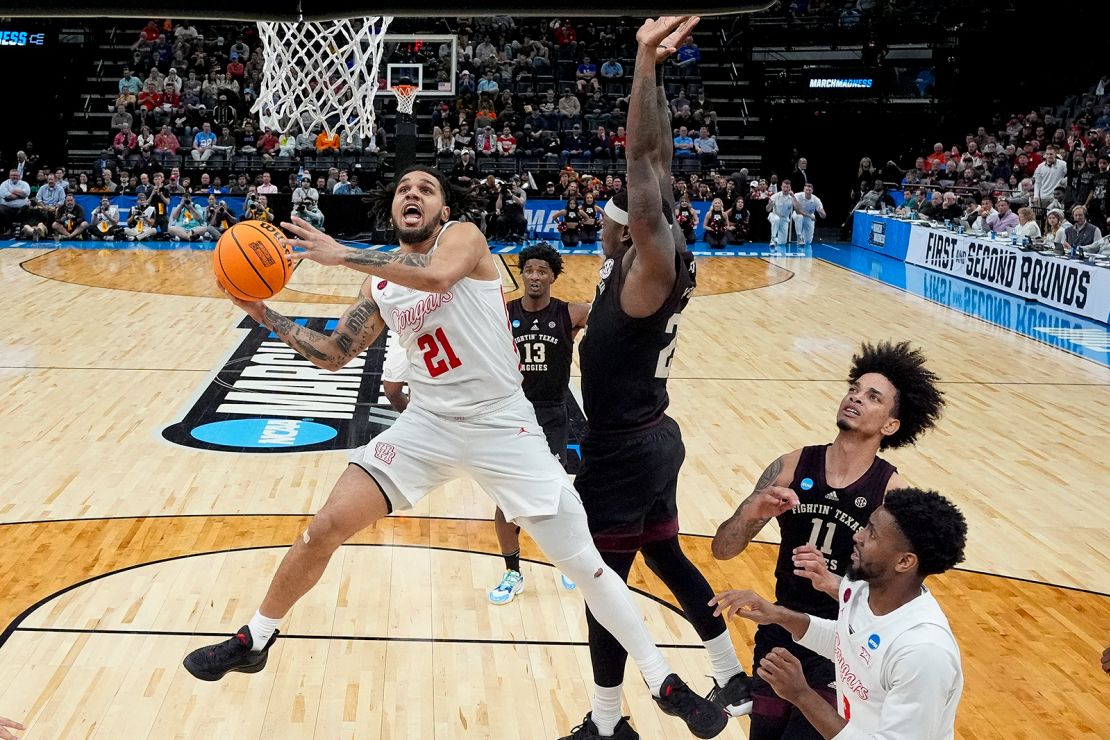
(704, 718)
(212, 662)
(588, 731)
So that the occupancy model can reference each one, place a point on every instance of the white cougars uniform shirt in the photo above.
(468, 413)
(897, 675)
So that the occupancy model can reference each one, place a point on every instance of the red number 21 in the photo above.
(431, 344)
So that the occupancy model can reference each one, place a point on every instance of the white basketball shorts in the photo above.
(504, 450)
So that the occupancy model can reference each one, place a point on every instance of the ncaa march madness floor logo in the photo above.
(267, 398)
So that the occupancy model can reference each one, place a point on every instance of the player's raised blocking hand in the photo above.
(769, 502)
(665, 33)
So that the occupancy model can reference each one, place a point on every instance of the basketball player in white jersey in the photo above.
(441, 293)
(898, 672)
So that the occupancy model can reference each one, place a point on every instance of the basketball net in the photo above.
(406, 96)
(320, 73)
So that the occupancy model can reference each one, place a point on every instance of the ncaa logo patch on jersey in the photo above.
(516, 323)
(806, 484)
(873, 642)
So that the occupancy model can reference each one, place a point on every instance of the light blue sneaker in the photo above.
(568, 584)
(512, 583)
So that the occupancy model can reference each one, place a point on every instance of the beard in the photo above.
(416, 234)
(843, 425)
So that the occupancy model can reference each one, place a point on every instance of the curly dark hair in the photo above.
(918, 401)
(542, 251)
(934, 527)
(458, 199)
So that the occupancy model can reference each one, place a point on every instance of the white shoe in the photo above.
(512, 583)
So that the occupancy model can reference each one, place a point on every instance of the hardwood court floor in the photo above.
(92, 369)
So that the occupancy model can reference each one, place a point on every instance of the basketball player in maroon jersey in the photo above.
(633, 450)
(821, 497)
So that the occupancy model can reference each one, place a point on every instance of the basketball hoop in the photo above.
(406, 96)
(320, 73)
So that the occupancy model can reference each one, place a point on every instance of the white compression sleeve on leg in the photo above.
(565, 539)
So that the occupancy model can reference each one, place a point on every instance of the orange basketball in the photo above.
(251, 260)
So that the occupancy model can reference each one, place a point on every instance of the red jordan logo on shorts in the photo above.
(522, 431)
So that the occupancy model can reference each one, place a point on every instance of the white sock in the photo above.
(722, 655)
(606, 710)
(262, 629)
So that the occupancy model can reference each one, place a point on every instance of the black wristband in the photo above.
(659, 75)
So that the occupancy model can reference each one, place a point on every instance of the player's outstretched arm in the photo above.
(657, 39)
(462, 252)
(770, 498)
(357, 329)
(579, 315)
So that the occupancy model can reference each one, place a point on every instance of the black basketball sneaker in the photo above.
(704, 718)
(735, 697)
(588, 731)
(210, 663)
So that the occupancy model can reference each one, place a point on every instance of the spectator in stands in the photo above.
(506, 144)
(532, 143)
(342, 185)
(688, 57)
(465, 172)
(204, 143)
(931, 208)
(601, 146)
(267, 144)
(147, 35)
(125, 142)
(1027, 225)
(235, 68)
(1056, 227)
(683, 144)
(287, 144)
(1048, 175)
(586, 76)
(1081, 233)
(570, 109)
(144, 142)
(172, 82)
(121, 118)
(327, 143)
(800, 176)
(619, 141)
(1004, 220)
(566, 38)
(612, 70)
(305, 203)
(107, 183)
(248, 139)
(706, 147)
(984, 213)
(485, 143)
(104, 221)
(69, 220)
(575, 146)
(52, 194)
(935, 161)
(488, 85)
(465, 84)
(129, 87)
(443, 140)
(267, 187)
(464, 138)
(224, 113)
(166, 143)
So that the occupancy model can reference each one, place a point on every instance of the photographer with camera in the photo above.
(141, 221)
(257, 208)
(218, 218)
(511, 224)
(187, 222)
(105, 221)
(305, 198)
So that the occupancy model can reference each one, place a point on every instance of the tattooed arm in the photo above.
(463, 252)
(360, 326)
(770, 498)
